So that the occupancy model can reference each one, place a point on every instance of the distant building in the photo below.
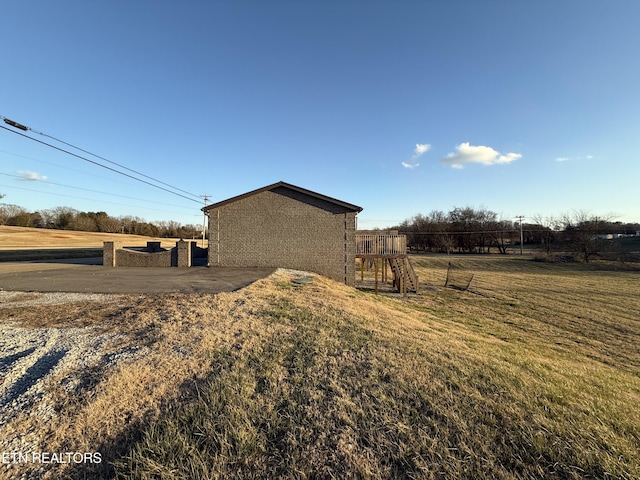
(612, 236)
(282, 225)
(605, 236)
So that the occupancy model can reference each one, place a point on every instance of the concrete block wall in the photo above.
(109, 253)
(183, 251)
(131, 258)
(284, 228)
(114, 255)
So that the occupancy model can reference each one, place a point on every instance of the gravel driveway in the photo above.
(32, 359)
(50, 341)
(29, 355)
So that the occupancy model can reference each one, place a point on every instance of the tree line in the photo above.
(479, 230)
(66, 218)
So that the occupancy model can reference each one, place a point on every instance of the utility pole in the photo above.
(520, 217)
(204, 217)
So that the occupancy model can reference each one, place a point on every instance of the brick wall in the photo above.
(284, 228)
(131, 258)
(114, 255)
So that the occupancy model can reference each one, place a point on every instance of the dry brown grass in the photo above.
(20, 238)
(534, 376)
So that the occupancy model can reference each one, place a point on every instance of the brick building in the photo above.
(282, 225)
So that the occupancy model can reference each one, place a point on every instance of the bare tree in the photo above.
(59, 217)
(502, 234)
(463, 223)
(108, 224)
(548, 227)
(446, 242)
(486, 221)
(85, 223)
(9, 211)
(582, 232)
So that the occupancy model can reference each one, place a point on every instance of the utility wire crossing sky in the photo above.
(31, 176)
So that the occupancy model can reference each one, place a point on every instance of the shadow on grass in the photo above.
(115, 453)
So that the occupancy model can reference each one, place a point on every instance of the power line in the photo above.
(24, 128)
(66, 167)
(97, 163)
(96, 191)
(115, 163)
(89, 199)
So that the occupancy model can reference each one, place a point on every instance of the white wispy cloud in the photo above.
(410, 165)
(421, 149)
(567, 159)
(31, 176)
(466, 153)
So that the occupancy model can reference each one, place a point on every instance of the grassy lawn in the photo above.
(537, 377)
(26, 238)
(535, 373)
(48, 254)
(20, 244)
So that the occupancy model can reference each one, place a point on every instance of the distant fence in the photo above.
(153, 255)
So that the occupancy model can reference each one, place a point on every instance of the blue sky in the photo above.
(402, 107)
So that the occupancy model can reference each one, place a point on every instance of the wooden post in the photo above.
(384, 270)
(404, 277)
(375, 269)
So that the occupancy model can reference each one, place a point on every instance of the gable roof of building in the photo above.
(347, 206)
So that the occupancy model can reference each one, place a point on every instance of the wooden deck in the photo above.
(384, 252)
(380, 245)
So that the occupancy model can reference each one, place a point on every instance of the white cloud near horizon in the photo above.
(30, 176)
(466, 153)
(421, 149)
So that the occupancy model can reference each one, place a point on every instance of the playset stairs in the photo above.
(376, 250)
(404, 277)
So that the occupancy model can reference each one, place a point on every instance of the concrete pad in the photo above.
(79, 277)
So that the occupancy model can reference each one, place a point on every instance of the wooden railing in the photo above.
(372, 244)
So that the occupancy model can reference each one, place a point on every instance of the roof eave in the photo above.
(346, 205)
